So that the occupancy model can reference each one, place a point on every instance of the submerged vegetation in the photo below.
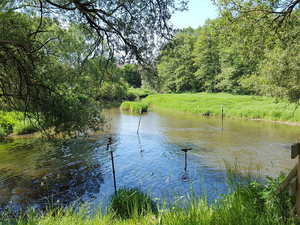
(247, 202)
(236, 106)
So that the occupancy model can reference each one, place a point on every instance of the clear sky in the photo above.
(199, 11)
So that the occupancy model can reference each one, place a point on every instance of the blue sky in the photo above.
(199, 11)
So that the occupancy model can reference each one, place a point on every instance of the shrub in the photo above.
(134, 106)
(128, 203)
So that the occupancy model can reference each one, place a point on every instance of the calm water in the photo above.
(38, 173)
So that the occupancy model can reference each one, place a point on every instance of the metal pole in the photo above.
(222, 115)
(185, 150)
(114, 173)
(141, 111)
(112, 162)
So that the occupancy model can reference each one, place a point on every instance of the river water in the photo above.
(42, 173)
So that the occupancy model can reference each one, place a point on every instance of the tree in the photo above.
(206, 54)
(131, 75)
(44, 45)
(269, 30)
(176, 64)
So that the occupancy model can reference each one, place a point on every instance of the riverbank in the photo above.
(245, 203)
(234, 106)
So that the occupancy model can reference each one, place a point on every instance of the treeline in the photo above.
(59, 62)
(234, 54)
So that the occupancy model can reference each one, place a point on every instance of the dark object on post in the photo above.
(185, 150)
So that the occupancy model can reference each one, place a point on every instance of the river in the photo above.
(41, 173)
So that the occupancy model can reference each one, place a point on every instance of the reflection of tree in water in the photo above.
(65, 173)
(76, 171)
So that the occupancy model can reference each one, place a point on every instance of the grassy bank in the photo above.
(15, 123)
(245, 203)
(237, 106)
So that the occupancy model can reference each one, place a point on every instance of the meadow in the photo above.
(235, 106)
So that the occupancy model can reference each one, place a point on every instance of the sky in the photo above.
(199, 11)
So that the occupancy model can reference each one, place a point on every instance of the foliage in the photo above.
(175, 67)
(137, 93)
(57, 58)
(132, 202)
(268, 34)
(134, 106)
(131, 75)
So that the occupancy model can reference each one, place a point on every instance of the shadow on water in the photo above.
(42, 174)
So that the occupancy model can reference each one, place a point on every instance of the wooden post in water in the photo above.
(294, 153)
(185, 150)
(112, 162)
(222, 115)
(141, 112)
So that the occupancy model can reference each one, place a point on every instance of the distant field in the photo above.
(236, 106)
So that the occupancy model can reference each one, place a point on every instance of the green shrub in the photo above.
(2, 132)
(25, 127)
(8, 121)
(128, 203)
(134, 106)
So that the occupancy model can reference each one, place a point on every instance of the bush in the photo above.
(25, 127)
(2, 132)
(134, 106)
(128, 203)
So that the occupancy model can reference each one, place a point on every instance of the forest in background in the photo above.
(61, 61)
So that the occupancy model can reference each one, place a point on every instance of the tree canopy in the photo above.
(50, 49)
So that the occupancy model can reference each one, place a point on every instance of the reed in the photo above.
(235, 106)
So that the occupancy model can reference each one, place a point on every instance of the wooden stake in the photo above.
(294, 153)
(298, 190)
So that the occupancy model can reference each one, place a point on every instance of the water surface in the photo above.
(41, 173)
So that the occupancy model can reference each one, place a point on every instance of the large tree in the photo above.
(44, 45)
(269, 31)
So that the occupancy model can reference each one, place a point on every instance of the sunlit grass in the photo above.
(134, 106)
(236, 106)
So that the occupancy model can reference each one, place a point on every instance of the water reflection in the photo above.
(35, 172)
(43, 173)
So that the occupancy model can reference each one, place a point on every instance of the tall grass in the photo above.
(15, 123)
(247, 202)
(134, 106)
(236, 106)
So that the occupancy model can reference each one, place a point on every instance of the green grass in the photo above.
(132, 202)
(247, 202)
(236, 106)
(15, 123)
(133, 93)
(134, 106)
